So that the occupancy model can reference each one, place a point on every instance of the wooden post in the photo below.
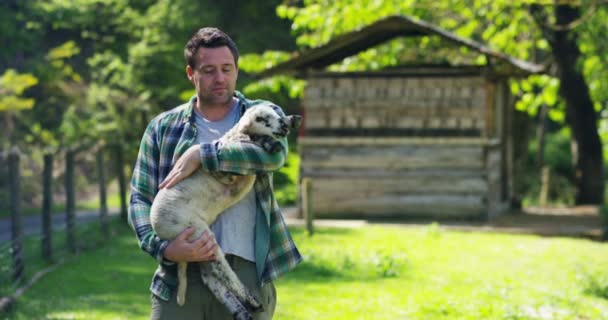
(541, 133)
(544, 187)
(103, 205)
(490, 125)
(307, 208)
(47, 204)
(70, 201)
(122, 182)
(15, 207)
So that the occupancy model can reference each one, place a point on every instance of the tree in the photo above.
(105, 65)
(12, 86)
(580, 113)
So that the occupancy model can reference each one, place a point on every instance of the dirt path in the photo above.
(581, 222)
(32, 225)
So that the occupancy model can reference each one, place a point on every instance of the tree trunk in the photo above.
(580, 114)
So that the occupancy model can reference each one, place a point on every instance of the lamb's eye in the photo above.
(260, 119)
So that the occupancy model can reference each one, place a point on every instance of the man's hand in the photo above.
(183, 168)
(201, 249)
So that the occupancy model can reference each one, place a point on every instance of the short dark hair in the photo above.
(209, 38)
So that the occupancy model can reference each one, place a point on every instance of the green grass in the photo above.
(365, 273)
(87, 236)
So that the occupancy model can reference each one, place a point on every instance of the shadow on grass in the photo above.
(313, 270)
(595, 283)
(302, 232)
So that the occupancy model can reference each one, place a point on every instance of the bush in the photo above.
(286, 180)
(558, 157)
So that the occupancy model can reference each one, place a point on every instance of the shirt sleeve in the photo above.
(144, 186)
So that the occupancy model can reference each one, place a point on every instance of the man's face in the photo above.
(214, 75)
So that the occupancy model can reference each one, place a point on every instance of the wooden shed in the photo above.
(432, 141)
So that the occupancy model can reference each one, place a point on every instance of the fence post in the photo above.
(15, 201)
(47, 204)
(103, 205)
(307, 208)
(69, 200)
(122, 183)
(544, 187)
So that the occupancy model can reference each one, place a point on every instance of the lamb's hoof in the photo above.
(181, 300)
(253, 305)
(242, 315)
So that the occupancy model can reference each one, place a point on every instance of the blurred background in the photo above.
(81, 79)
(80, 72)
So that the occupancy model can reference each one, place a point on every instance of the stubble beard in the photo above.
(211, 101)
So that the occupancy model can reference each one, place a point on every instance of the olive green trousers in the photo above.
(201, 304)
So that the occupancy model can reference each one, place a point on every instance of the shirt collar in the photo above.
(189, 112)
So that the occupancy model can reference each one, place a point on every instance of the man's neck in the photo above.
(213, 112)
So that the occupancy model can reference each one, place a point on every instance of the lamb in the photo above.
(182, 205)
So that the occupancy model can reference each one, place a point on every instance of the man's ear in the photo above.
(294, 121)
(189, 72)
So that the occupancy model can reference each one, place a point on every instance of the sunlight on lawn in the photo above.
(365, 273)
(393, 273)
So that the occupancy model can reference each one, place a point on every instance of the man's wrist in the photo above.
(163, 254)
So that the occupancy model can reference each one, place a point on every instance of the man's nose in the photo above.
(219, 76)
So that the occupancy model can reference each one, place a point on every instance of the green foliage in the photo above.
(12, 86)
(255, 62)
(277, 88)
(536, 91)
(280, 87)
(504, 25)
(105, 67)
(558, 158)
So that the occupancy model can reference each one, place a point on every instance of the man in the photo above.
(178, 142)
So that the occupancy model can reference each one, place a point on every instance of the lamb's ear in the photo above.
(294, 121)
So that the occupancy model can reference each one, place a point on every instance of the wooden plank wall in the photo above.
(396, 177)
(403, 146)
(454, 104)
(427, 146)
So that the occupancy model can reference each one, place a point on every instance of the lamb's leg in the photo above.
(221, 270)
(223, 295)
(182, 267)
(182, 282)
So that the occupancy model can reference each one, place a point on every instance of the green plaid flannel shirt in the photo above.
(166, 138)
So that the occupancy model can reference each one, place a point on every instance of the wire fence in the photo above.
(49, 229)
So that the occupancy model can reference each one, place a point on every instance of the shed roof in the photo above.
(380, 31)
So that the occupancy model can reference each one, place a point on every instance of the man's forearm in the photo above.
(241, 157)
(139, 219)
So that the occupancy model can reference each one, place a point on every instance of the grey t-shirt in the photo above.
(235, 228)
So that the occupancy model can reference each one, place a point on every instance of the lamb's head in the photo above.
(264, 120)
